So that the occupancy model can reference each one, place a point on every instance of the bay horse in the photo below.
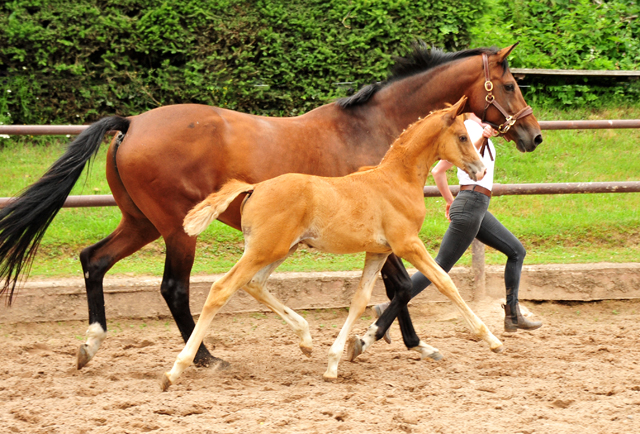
(377, 210)
(168, 159)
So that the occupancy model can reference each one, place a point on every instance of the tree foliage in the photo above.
(567, 34)
(77, 61)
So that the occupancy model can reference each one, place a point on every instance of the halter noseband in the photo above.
(491, 100)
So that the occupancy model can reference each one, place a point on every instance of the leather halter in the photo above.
(491, 100)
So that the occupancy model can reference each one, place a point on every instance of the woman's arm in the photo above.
(439, 173)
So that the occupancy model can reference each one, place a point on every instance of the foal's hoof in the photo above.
(329, 378)
(306, 350)
(165, 382)
(498, 349)
(82, 356)
(354, 348)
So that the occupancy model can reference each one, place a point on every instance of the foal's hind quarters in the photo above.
(379, 211)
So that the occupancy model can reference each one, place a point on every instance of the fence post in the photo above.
(477, 264)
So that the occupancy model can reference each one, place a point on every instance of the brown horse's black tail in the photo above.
(24, 221)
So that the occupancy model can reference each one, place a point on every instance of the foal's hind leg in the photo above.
(130, 235)
(257, 289)
(240, 275)
(372, 265)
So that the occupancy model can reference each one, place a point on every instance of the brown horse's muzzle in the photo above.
(526, 137)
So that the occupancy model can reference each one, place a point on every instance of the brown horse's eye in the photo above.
(509, 87)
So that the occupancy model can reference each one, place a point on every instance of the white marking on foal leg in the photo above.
(299, 325)
(95, 336)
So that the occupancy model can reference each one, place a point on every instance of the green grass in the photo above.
(554, 229)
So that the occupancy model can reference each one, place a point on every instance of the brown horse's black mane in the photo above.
(421, 59)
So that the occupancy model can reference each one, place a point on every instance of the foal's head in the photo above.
(453, 143)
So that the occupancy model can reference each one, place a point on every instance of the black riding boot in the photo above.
(513, 319)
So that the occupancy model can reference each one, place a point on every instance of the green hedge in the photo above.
(567, 34)
(74, 61)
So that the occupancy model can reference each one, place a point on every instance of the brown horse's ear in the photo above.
(502, 54)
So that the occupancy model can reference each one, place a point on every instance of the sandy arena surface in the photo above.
(579, 373)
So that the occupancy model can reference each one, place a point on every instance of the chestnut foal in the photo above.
(378, 210)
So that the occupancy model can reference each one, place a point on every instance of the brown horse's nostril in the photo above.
(538, 139)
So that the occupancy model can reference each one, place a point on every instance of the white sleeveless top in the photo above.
(475, 133)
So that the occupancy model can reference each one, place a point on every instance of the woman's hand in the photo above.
(446, 211)
(489, 132)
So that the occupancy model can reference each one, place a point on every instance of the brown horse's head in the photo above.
(501, 102)
(455, 146)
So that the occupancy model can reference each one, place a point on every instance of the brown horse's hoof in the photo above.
(435, 356)
(165, 382)
(354, 348)
(82, 356)
(212, 362)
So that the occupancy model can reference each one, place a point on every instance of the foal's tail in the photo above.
(201, 216)
(24, 221)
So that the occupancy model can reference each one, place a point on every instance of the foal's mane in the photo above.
(420, 59)
(399, 145)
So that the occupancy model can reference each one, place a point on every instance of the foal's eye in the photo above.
(509, 87)
(463, 138)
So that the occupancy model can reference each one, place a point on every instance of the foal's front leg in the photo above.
(398, 285)
(415, 252)
(372, 265)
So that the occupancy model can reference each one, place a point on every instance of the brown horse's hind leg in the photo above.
(130, 235)
(175, 290)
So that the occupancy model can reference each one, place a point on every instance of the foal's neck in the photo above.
(411, 156)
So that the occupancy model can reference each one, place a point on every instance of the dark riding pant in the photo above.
(471, 219)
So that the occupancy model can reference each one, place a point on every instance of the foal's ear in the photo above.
(455, 110)
(502, 54)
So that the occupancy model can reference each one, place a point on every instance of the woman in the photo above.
(470, 218)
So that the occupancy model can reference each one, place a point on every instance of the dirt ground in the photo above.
(579, 373)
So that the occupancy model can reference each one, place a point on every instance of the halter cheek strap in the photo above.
(491, 101)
